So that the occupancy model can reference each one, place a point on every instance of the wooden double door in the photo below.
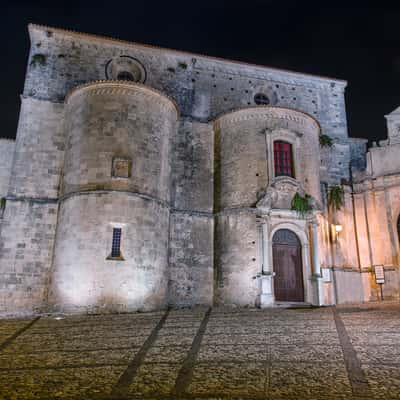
(288, 268)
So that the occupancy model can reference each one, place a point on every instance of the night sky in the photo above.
(355, 41)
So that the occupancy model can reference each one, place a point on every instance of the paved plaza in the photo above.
(350, 352)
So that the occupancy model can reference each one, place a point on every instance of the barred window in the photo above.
(283, 159)
(116, 243)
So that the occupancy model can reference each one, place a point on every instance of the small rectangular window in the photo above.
(116, 243)
(283, 159)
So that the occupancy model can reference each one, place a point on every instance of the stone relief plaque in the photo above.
(121, 167)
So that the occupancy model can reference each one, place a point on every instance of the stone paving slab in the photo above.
(309, 380)
(155, 378)
(58, 383)
(233, 353)
(350, 352)
(384, 380)
(229, 379)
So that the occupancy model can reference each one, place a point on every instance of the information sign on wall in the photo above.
(379, 274)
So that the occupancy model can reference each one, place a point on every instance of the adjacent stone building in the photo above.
(143, 177)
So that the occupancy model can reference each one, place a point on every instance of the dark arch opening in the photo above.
(125, 76)
(261, 99)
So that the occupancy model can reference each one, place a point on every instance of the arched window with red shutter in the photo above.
(283, 159)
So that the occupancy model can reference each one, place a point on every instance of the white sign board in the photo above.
(379, 274)
(326, 274)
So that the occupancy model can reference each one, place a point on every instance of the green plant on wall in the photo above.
(2, 203)
(38, 59)
(325, 141)
(336, 197)
(301, 204)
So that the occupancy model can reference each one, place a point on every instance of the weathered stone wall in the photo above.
(236, 258)
(244, 153)
(191, 277)
(109, 121)
(383, 160)
(345, 245)
(26, 249)
(39, 150)
(241, 171)
(377, 210)
(191, 272)
(358, 150)
(203, 87)
(244, 173)
(104, 122)
(349, 288)
(197, 169)
(7, 148)
(193, 167)
(30, 215)
(84, 280)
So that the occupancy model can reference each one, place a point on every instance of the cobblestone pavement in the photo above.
(349, 352)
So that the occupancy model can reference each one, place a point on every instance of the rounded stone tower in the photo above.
(112, 237)
(246, 174)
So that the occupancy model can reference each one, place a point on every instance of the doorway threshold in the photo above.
(292, 304)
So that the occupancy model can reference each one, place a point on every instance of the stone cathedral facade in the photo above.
(142, 178)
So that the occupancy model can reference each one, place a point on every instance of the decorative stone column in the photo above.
(317, 276)
(267, 297)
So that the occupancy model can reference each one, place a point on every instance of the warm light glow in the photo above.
(338, 228)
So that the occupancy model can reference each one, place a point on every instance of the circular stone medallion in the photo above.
(125, 68)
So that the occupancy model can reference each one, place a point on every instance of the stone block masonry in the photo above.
(144, 177)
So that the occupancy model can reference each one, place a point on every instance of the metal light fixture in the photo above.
(337, 229)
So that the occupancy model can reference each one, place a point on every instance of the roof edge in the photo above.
(90, 36)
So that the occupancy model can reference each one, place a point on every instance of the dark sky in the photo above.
(355, 41)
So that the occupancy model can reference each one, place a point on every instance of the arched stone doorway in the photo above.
(287, 265)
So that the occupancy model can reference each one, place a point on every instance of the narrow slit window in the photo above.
(283, 159)
(116, 243)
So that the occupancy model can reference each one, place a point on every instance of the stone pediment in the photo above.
(280, 193)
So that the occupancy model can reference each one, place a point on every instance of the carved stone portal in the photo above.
(280, 193)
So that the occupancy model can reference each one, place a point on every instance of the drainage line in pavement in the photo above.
(186, 372)
(9, 340)
(356, 375)
(121, 387)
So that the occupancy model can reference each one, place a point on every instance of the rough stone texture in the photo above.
(393, 125)
(39, 150)
(84, 279)
(348, 354)
(203, 87)
(244, 153)
(109, 120)
(191, 272)
(383, 160)
(26, 250)
(7, 148)
(236, 260)
(182, 161)
(193, 167)
(358, 150)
